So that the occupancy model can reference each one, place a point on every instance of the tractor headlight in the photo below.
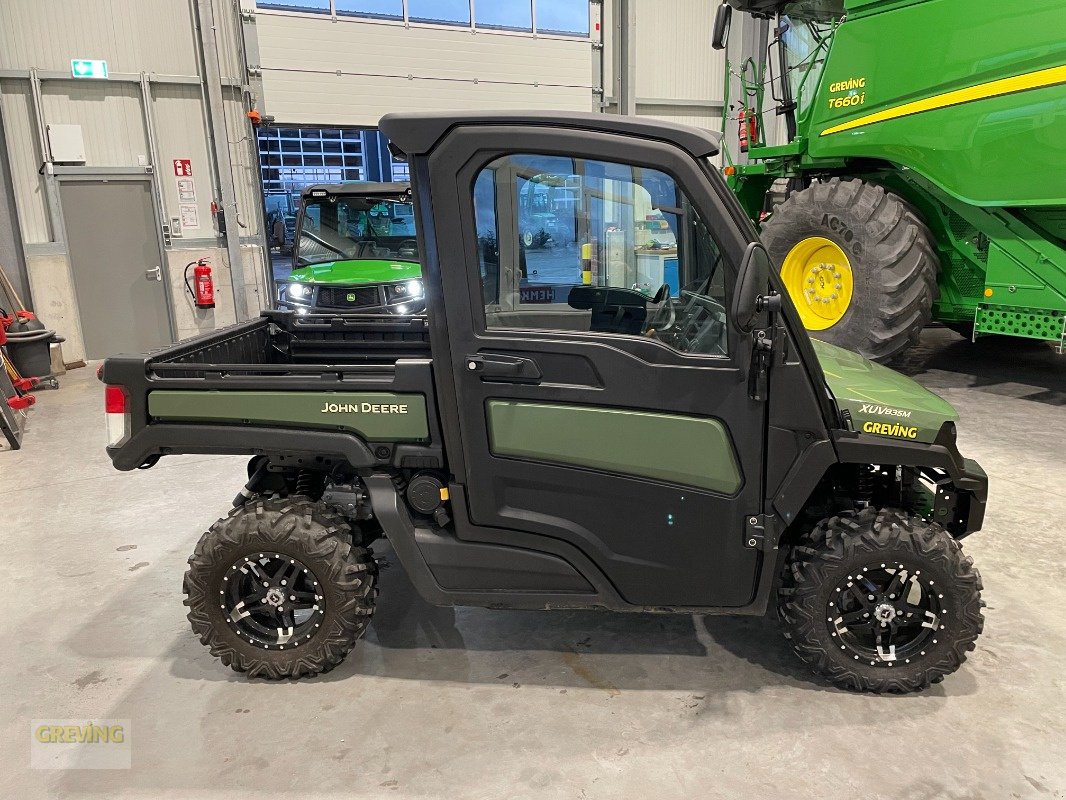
(402, 292)
(297, 291)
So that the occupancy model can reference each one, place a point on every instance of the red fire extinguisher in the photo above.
(204, 292)
(749, 128)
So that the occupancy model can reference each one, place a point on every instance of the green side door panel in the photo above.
(691, 451)
(375, 416)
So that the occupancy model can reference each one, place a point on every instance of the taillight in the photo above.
(116, 400)
(117, 408)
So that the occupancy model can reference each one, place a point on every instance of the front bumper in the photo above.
(959, 503)
(961, 484)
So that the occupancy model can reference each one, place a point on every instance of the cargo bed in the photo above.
(286, 363)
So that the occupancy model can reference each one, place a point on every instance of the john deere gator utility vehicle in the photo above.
(926, 156)
(355, 251)
(583, 445)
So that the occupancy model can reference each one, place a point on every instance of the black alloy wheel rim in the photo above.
(886, 614)
(272, 600)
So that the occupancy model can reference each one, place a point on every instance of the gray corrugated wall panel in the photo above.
(24, 159)
(109, 114)
(179, 127)
(674, 55)
(132, 35)
(11, 258)
(245, 164)
(227, 22)
(448, 69)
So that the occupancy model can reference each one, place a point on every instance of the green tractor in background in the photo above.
(925, 160)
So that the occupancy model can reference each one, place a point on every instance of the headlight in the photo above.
(398, 292)
(297, 291)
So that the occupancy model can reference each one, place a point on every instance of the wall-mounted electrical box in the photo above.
(66, 143)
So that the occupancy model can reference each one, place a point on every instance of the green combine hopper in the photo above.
(926, 160)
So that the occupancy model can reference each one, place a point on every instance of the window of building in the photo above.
(553, 17)
(400, 170)
(375, 9)
(583, 245)
(563, 17)
(448, 12)
(291, 159)
(504, 15)
(317, 6)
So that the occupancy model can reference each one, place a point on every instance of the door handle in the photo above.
(153, 274)
(510, 369)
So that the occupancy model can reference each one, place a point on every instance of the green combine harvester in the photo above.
(926, 164)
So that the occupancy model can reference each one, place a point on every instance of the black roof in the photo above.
(818, 9)
(417, 133)
(760, 8)
(398, 190)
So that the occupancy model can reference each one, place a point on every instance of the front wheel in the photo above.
(881, 601)
(277, 589)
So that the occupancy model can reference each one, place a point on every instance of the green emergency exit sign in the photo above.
(88, 68)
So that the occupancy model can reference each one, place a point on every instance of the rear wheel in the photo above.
(858, 263)
(881, 601)
(277, 589)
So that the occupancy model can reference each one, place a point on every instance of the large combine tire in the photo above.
(278, 589)
(880, 601)
(859, 265)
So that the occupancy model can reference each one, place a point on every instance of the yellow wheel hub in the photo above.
(818, 276)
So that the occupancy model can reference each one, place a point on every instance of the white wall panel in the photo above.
(109, 114)
(684, 115)
(391, 68)
(132, 35)
(25, 158)
(674, 55)
(244, 158)
(179, 127)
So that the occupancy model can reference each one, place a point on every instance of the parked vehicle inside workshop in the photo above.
(689, 450)
(926, 188)
(355, 250)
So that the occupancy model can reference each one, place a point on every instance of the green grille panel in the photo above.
(1029, 323)
(969, 281)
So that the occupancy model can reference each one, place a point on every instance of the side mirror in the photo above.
(722, 20)
(753, 282)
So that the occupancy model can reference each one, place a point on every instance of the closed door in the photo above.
(602, 398)
(117, 266)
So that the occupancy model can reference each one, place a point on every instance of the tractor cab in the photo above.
(792, 62)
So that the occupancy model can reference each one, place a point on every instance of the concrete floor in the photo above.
(466, 703)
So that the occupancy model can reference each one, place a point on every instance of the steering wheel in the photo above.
(665, 316)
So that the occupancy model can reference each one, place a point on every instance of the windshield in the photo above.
(335, 228)
(806, 28)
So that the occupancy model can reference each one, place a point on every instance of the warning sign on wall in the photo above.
(190, 215)
(186, 190)
(183, 167)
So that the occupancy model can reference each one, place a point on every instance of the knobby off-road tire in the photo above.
(891, 253)
(832, 572)
(339, 578)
